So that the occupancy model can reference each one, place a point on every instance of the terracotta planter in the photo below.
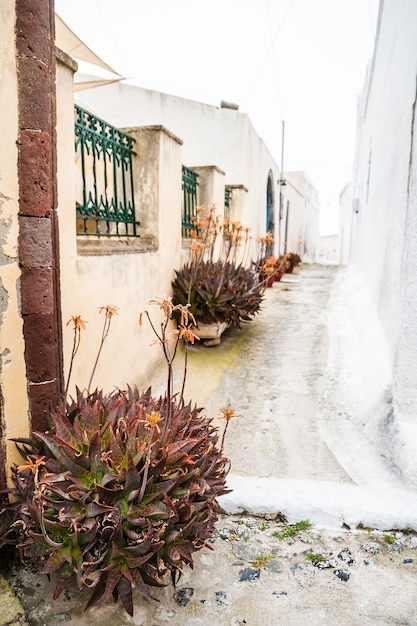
(278, 276)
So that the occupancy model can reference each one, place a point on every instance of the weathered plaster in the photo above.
(13, 391)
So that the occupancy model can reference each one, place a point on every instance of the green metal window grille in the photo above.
(227, 197)
(105, 199)
(189, 203)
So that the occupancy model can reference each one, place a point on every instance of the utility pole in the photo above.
(281, 184)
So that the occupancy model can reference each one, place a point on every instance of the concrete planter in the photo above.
(211, 333)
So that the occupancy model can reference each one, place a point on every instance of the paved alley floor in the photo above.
(297, 453)
(298, 446)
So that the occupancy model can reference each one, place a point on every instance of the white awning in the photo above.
(71, 44)
(90, 84)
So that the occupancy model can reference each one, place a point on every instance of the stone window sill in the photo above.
(101, 246)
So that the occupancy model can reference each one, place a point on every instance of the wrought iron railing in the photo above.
(227, 197)
(189, 202)
(105, 198)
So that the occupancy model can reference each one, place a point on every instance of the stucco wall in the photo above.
(96, 272)
(211, 136)
(127, 273)
(384, 230)
(303, 231)
(346, 210)
(13, 398)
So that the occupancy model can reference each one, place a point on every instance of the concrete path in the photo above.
(298, 451)
(299, 446)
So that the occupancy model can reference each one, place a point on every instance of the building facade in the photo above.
(384, 220)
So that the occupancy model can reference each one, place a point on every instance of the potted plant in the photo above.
(217, 282)
(122, 489)
(272, 269)
(293, 259)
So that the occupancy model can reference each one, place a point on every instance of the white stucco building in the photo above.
(223, 137)
(300, 216)
(384, 221)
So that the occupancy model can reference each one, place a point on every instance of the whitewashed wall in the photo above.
(211, 135)
(303, 233)
(346, 209)
(384, 229)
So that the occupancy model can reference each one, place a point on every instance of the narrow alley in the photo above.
(297, 378)
(321, 530)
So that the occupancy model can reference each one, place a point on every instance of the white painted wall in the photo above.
(212, 136)
(384, 230)
(346, 208)
(303, 233)
(329, 250)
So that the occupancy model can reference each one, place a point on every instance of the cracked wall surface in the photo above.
(14, 417)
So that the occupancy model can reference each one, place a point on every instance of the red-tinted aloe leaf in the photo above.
(179, 446)
(86, 536)
(97, 508)
(141, 587)
(59, 454)
(114, 449)
(112, 578)
(151, 510)
(63, 428)
(89, 420)
(133, 477)
(99, 589)
(124, 589)
(168, 485)
(57, 558)
(110, 496)
(151, 576)
(94, 449)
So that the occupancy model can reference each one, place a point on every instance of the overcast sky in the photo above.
(298, 61)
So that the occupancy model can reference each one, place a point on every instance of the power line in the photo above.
(269, 51)
(274, 58)
(115, 44)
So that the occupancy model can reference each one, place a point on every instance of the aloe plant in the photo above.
(217, 282)
(218, 291)
(100, 498)
(122, 489)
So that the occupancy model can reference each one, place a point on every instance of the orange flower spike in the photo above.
(152, 420)
(165, 304)
(227, 414)
(186, 315)
(187, 334)
(33, 466)
(197, 246)
(78, 322)
(109, 310)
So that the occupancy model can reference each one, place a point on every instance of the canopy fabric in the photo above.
(90, 84)
(68, 41)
